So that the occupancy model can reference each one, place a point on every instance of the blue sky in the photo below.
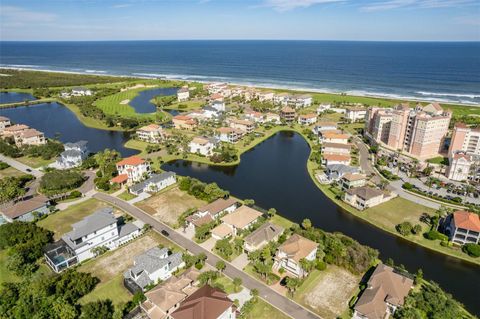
(394, 20)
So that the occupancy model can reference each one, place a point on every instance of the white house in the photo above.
(4, 122)
(365, 197)
(219, 105)
(202, 145)
(281, 99)
(100, 229)
(183, 94)
(152, 266)
(323, 107)
(209, 112)
(292, 251)
(241, 218)
(337, 171)
(336, 148)
(324, 126)
(272, 118)
(307, 119)
(463, 227)
(459, 168)
(152, 133)
(254, 116)
(332, 159)
(300, 101)
(154, 184)
(81, 91)
(131, 169)
(229, 134)
(356, 114)
(266, 96)
(73, 155)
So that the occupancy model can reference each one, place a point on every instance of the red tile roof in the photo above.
(119, 179)
(132, 160)
(466, 220)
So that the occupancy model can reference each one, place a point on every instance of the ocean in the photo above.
(430, 71)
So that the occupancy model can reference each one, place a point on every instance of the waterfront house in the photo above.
(265, 96)
(463, 227)
(213, 211)
(183, 94)
(244, 125)
(4, 122)
(241, 218)
(229, 134)
(254, 116)
(292, 251)
(203, 145)
(26, 210)
(153, 265)
(206, 303)
(73, 155)
(81, 91)
(164, 299)
(356, 114)
(333, 137)
(29, 136)
(260, 237)
(12, 130)
(130, 170)
(336, 148)
(184, 122)
(154, 183)
(337, 171)
(272, 118)
(323, 107)
(365, 197)
(152, 133)
(100, 229)
(287, 114)
(385, 293)
(324, 126)
(353, 180)
(332, 159)
(307, 119)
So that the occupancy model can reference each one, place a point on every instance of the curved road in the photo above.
(277, 300)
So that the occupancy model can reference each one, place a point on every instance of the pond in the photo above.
(57, 121)
(141, 103)
(274, 174)
(14, 97)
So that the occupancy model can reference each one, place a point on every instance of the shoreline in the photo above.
(269, 86)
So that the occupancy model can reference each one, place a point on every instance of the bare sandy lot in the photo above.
(330, 294)
(125, 102)
(169, 205)
(137, 86)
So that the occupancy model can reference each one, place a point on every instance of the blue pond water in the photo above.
(141, 103)
(13, 97)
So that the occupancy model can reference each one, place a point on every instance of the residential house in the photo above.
(219, 105)
(254, 116)
(100, 229)
(26, 210)
(73, 155)
(153, 265)
(154, 183)
(184, 122)
(353, 180)
(356, 114)
(216, 97)
(210, 112)
(130, 170)
(152, 133)
(463, 227)
(333, 137)
(292, 251)
(29, 136)
(202, 145)
(385, 293)
(307, 119)
(300, 101)
(337, 171)
(164, 299)
(323, 107)
(332, 159)
(244, 125)
(241, 218)
(222, 231)
(365, 197)
(265, 96)
(81, 91)
(183, 94)
(288, 114)
(281, 99)
(213, 211)
(206, 303)
(12, 130)
(260, 237)
(229, 134)
(4, 122)
(324, 126)
(460, 166)
(336, 148)
(272, 118)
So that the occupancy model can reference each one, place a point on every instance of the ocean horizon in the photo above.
(446, 72)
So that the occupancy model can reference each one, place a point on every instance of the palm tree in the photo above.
(292, 284)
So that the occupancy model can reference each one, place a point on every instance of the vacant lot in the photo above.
(328, 292)
(263, 310)
(10, 171)
(34, 162)
(60, 222)
(169, 205)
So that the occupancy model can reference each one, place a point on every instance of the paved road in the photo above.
(21, 167)
(281, 302)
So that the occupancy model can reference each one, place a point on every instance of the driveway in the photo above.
(242, 297)
(281, 302)
(241, 261)
(209, 244)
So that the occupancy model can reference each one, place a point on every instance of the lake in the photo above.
(141, 103)
(274, 174)
(57, 121)
(14, 97)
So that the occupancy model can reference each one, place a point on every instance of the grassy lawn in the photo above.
(438, 160)
(60, 222)
(5, 274)
(281, 221)
(112, 289)
(126, 196)
(118, 104)
(10, 171)
(352, 127)
(137, 145)
(34, 162)
(186, 106)
(264, 310)
(227, 284)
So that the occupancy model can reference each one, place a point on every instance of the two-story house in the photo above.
(229, 134)
(260, 237)
(154, 183)
(463, 227)
(365, 197)
(183, 94)
(73, 155)
(293, 250)
(212, 211)
(203, 145)
(152, 133)
(131, 169)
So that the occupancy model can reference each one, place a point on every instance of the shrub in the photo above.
(472, 250)
(404, 228)
(75, 194)
(417, 229)
(434, 235)
(407, 186)
(320, 265)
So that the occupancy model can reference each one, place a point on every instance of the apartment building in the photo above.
(465, 139)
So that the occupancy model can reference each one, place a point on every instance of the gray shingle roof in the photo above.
(76, 144)
(96, 221)
(155, 178)
(126, 229)
(264, 233)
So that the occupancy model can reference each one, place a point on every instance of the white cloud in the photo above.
(18, 15)
(396, 4)
(122, 5)
(285, 5)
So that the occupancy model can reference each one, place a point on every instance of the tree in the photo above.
(417, 229)
(404, 228)
(249, 202)
(263, 269)
(419, 276)
(237, 282)
(60, 181)
(292, 284)
(472, 250)
(11, 188)
(306, 224)
(223, 247)
(272, 212)
(254, 293)
(306, 265)
(207, 277)
(220, 265)
(98, 309)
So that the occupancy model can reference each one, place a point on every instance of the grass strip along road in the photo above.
(282, 303)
